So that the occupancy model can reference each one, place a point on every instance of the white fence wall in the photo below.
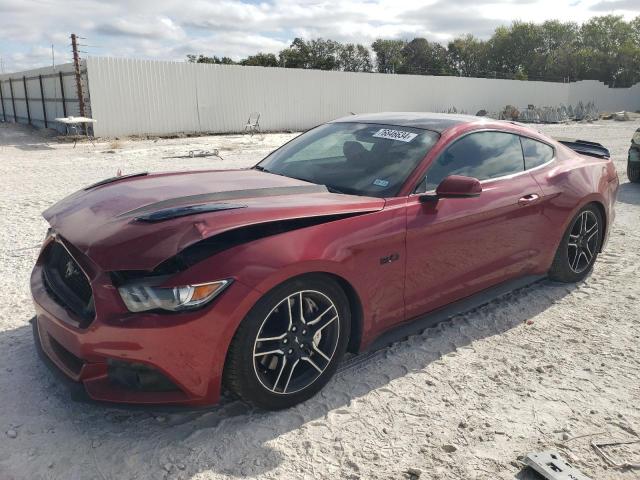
(606, 99)
(53, 97)
(138, 97)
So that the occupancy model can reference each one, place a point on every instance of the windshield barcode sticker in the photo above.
(381, 183)
(395, 135)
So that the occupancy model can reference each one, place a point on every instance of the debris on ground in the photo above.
(548, 114)
(600, 447)
(560, 114)
(552, 466)
(413, 473)
(621, 116)
(510, 113)
(199, 154)
(205, 153)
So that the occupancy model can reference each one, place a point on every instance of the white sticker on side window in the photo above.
(381, 183)
(395, 135)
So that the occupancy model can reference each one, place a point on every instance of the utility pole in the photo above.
(53, 58)
(76, 65)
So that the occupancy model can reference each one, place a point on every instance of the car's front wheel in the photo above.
(579, 247)
(290, 343)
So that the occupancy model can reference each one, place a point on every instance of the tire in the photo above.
(276, 359)
(633, 172)
(579, 247)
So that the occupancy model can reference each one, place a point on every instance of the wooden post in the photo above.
(13, 101)
(26, 98)
(76, 71)
(76, 68)
(44, 106)
(64, 102)
(4, 112)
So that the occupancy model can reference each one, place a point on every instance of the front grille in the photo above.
(67, 284)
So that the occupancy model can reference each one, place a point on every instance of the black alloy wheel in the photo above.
(289, 345)
(579, 246)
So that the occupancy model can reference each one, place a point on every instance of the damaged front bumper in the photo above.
(145, 358)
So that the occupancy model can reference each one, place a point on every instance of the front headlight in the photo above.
(141, 296)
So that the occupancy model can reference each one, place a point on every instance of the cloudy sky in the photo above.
(163, 29)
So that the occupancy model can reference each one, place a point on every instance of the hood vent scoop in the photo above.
(176, 212)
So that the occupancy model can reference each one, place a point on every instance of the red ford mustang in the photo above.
(161, 288)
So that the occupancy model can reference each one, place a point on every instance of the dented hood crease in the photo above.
(99, 221)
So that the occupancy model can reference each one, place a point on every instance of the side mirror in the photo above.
(455, 186)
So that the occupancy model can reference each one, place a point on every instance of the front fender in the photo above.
(349, 248)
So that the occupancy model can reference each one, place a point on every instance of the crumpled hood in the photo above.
(110, 223)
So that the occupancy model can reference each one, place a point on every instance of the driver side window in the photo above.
(481, 155)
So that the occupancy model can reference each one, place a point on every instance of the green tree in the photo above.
(296, 56)
(204, 59)
(354, 58)
(388, 54)
(605, 48)
(609, 51)
(319, 54)
(560, 49)
(520, 74)
(261, 60)
(421, 57)
(324, 54)
(468, 56)
(635, 31)
(519, 49)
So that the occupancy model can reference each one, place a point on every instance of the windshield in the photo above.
(355, 158)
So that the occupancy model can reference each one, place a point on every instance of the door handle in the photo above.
(528, 199)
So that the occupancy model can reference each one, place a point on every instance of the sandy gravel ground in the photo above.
(547, 366)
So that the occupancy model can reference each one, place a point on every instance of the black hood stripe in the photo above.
(170, 213)
(220, 196)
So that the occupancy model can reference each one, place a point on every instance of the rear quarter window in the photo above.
(536, 153)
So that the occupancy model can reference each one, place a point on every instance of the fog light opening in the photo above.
(138, 377)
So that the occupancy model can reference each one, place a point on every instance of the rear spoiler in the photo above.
(584, 147)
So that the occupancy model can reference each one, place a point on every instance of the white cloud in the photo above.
(165, 29)
(158, 28)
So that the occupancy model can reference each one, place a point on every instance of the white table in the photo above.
(73, 123)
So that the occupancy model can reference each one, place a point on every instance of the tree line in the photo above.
(605, 48)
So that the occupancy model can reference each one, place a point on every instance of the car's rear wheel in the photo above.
(579, 247)
(633, 172)
(290, 343)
